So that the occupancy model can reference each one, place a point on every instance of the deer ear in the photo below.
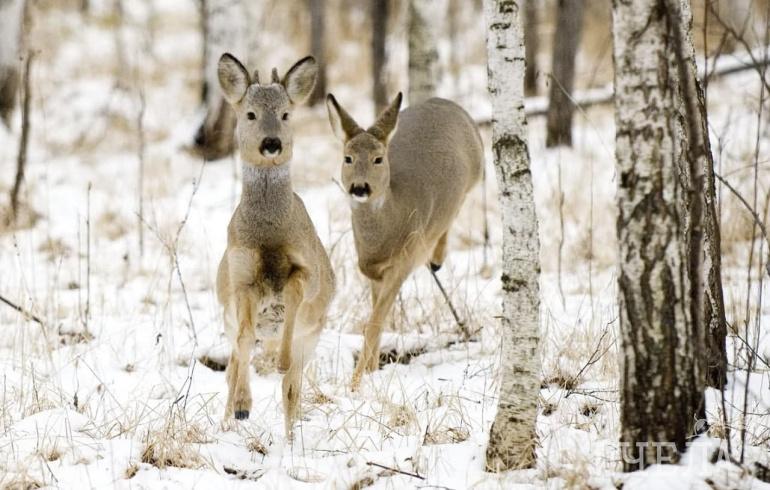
(300, 79)
(233, 78)
(386, 123)
(343, 125)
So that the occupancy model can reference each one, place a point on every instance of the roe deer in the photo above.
(405, 192)
(275, 264)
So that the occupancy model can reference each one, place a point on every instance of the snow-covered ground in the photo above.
(123, 384)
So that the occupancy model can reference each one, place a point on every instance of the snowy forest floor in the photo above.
(123, 383)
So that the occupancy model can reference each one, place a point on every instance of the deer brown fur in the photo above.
(275, 280)
(405, 193)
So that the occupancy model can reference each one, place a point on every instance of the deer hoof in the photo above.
(241, 414)
(435, 267)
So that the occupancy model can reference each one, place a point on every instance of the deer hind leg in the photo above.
(302, 349)
(293, 292)
(239, 391)
(231, 375)
(439, 253)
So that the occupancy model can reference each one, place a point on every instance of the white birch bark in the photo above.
(230, 27)
(661, 380)
(423, 51)
(11, 20)
(228, 32)
(512, 438)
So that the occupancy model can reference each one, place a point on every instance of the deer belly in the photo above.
(266, 316)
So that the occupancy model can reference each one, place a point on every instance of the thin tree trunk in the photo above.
(11, 14)
(379, 16)
(378, 11)
(705, 269)
(204, 27)
(531, 44)
(662, 381)
(317, 47)
(21, 160)
(512, 438)
(423, 53)
(229, 29)
(565, 47)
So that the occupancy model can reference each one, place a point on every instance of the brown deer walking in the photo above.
(275, 280)
(405, 193)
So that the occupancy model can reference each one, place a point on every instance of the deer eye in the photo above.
(348, 160)
(285, 116)
(251, 116)
(377, 160)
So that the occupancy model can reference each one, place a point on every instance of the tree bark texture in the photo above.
(423, 53)
(317, 48)
(569, 21)
(11, 21)
(662, 378)
(531, 44)
(512, 438)
(231, 27)
(379, 15)
(705, 272)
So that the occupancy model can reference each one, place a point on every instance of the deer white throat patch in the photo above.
(268, 175)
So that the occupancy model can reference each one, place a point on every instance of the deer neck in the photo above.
(267, 193)
(376, 215)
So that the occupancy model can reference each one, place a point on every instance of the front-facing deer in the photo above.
(405, 192)
(274, 263)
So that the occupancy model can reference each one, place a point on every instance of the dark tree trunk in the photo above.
(317, 47)
(705, 270)
(531, 8)
(565, 46)
(662, 379)
(21, 161)
(12, 13)
(379, 15)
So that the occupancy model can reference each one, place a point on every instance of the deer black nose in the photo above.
(360, 190)
(270, 147)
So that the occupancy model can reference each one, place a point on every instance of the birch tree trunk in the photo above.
(317, 48)
(512, 438)
(423, 53)
(531, 44)
(11, 15)
(379, 15)
(569, 23)
(705, 269)
(230, 27)
(662, 381)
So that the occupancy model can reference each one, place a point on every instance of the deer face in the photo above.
(365, 167)
(263, 112)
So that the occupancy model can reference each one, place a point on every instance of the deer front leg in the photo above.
(385, 293)
(239, 396)
(293, 293)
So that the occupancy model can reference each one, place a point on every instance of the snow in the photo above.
(117, 368)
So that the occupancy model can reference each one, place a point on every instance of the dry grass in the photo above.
(175, 444)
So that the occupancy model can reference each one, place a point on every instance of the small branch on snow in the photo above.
(396, 470)
(27, 314)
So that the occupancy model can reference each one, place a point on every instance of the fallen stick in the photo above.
(27, 314)
(396, 470)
